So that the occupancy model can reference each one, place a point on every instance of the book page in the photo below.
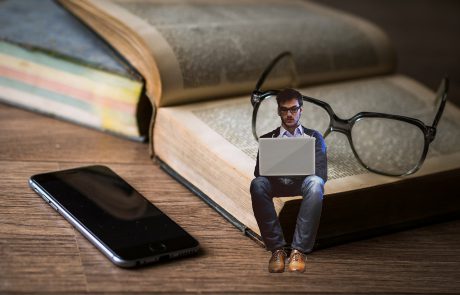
(210, 49)
(398, 95)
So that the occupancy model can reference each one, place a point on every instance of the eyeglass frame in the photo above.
(345, 126)
(292, 110)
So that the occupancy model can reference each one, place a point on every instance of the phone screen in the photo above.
(114, 212)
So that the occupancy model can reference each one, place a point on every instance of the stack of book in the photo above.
(52, 63)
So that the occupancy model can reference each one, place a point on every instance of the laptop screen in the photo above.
(287, 156)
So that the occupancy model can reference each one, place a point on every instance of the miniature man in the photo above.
(310, 187)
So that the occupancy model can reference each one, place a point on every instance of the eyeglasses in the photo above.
(292, 110)
(386, 144)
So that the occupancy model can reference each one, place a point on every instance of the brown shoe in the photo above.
(297, 261)
(276, 263)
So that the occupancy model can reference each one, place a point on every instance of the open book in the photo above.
(201, 60)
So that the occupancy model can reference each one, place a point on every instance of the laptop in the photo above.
(287, 156)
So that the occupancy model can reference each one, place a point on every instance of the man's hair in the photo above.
(288, 94)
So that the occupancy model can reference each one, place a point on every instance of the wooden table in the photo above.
(41, 253)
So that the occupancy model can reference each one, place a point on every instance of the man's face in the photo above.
(289, 112)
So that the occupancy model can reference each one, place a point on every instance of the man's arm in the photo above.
(320, 156)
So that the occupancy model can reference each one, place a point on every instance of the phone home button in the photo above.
(157, 247)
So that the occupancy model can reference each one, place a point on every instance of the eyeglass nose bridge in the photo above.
(339, 125)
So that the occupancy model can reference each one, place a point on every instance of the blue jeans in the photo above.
(264, 189)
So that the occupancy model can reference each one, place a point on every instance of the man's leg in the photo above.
(312, 190)
(265, 214)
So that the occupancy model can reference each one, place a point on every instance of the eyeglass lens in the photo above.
(386, 145)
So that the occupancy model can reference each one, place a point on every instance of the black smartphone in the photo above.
(113, 216)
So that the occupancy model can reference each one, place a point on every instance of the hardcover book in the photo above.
(53, 64)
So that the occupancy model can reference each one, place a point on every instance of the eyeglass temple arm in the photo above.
(441, 95)
(269, 68)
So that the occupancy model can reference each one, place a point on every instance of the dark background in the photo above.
(425, 34)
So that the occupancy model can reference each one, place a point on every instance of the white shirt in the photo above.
(298, 131)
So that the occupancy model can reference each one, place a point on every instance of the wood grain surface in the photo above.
(41, 253)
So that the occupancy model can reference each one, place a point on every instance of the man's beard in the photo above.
(291, 123)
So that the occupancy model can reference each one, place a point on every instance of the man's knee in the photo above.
(313, 185)
(260, 186)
